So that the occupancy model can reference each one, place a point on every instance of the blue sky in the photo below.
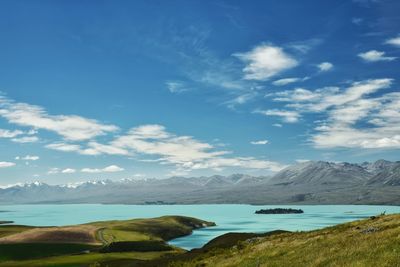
(134, 89)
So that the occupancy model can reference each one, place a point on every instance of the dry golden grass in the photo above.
(84, 234)
(370, 242)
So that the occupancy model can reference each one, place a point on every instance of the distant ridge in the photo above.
(312, 182)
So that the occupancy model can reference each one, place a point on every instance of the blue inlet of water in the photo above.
(229, 218)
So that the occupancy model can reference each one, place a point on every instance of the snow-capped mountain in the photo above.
(308, 182)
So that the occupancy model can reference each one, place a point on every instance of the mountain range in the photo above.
(311, 182)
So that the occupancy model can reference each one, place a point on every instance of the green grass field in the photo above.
(120, 259)
(120, 243)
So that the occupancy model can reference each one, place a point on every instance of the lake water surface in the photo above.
(229, 218)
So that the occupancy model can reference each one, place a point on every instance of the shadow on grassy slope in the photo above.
(27, 251)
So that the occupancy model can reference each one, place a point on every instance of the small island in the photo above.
(279, 211)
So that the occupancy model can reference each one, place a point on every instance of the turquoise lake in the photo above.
(229, 218)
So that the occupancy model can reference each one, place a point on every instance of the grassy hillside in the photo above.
(370, 242)
(162, 228)
(7, 230)
(108, 243)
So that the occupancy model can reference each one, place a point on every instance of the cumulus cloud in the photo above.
(68, 170)
(381, 114)
(185, 152)
(155, 140)
(6, 164)
(286, 81)
(259, 142)
(19, 136)
(65, 147)
(345, 109)
(28, 157)
(152, 140)
(25, 139)
(304, 100)
(289, 116)
(265, 61)
(374, 56)
(394, 41)
(325, 66)
(111, 168)
(95, 148)
(70, 127)
(10, 134)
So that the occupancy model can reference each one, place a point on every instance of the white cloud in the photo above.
(150, 131)
(325, 66)
(53, 171)
(356, 91)
(95, 148)
(6, 164)
(296, 95)
(260, 142)
(345, 110)
(302, 160)
(71, 127)
(286, 81)
(185, 152)
(65, 147)
(111, 168)
(10, 134)
(289, 116)
(28, 157)
(154, 140)
(381, 113)
(241, 162)
(374, 56)
(265, 61)
(68, 170)
(394, 41)
(278, 125)
(176, 86)
(240, 100)
(25, 139)
(32, 132)
(321, 99)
